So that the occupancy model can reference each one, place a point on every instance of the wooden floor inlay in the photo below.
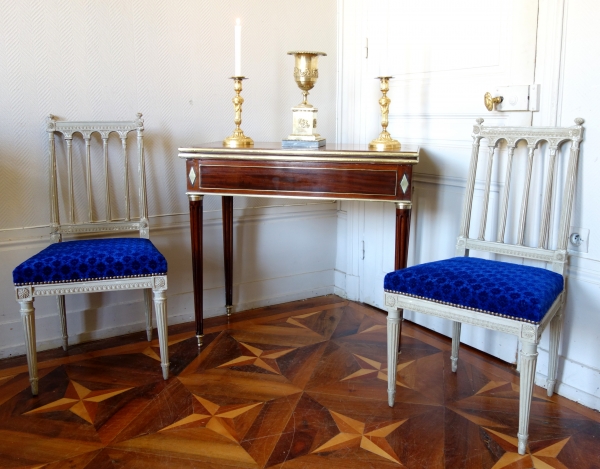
(300, 385)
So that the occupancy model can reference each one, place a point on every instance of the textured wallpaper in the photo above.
(107, 60)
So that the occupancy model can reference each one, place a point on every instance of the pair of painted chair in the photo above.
(515, 298)
(101, 264)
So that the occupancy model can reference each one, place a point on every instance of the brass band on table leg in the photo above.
(200, 339)
(229, 308)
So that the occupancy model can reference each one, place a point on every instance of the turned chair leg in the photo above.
(528, 361)
(160, 305)
(62, 314)
(393, 339)
(148, 307)
(28, 317)
(455, 344)
(555, 329)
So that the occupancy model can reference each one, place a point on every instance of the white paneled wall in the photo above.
(90, 60)
(574, 91)
(568, 39)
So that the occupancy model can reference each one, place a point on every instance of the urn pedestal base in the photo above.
(304, 125)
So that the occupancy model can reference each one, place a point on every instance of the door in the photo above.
(443, 56)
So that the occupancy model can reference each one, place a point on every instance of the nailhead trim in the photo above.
(463, 307)
(90, 279)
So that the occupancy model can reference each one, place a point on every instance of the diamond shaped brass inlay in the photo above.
(403, 184)
(192, 176)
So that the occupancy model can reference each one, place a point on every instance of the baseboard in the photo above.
(180, 309)
(588, 380)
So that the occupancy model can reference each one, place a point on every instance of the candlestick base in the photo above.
(238, 140)
(384, 142)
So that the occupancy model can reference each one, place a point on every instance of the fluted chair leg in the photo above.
(148, 307)
(28, 317)
(528, 361)
(455, 344)
(62, 314)
(160, 305)
(555, 329)
(393, 338)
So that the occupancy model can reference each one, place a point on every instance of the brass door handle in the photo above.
(489, 101)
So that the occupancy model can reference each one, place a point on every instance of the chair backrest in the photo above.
(62, 169)
(544, 172)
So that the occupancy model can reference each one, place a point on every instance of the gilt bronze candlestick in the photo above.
(238, 139)
(384, 141)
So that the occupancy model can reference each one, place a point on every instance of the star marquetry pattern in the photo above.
(544, 458)
(352, 434)
(265, 359)
(376, 327)
(217, 418)
(294, 320)
(79, 400)
(375, 369)
(150, 352)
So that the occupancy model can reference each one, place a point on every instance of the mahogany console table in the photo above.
(349, 172)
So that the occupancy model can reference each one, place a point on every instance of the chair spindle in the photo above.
(466, 219)
(88, 176)
(565, 212)
(505, 196)
(70, 180)
(486, 194)
(142, 170)
(547, 204)
(106, 182)
(54, 216)
(525, 202)
(126, 177)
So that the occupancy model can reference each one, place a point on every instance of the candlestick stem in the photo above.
(385, 140)
(238, 139)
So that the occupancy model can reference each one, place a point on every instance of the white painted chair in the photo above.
(513, 298)
(93, 265)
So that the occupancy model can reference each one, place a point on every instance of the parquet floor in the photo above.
(299, 385)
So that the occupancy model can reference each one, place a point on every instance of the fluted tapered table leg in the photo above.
(528, 361)
(28, 317)
(555, 328)
(196, 207)
(160, 306)
(393, 338)
(403, 211)
(227, 203)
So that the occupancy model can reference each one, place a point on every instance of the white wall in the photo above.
(568, 42)
(88, 60)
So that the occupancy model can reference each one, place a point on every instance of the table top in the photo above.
(408, 154)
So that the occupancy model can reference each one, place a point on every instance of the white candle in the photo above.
(238, 48)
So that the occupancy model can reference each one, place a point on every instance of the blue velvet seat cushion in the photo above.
(95, 259)
(512, 290)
